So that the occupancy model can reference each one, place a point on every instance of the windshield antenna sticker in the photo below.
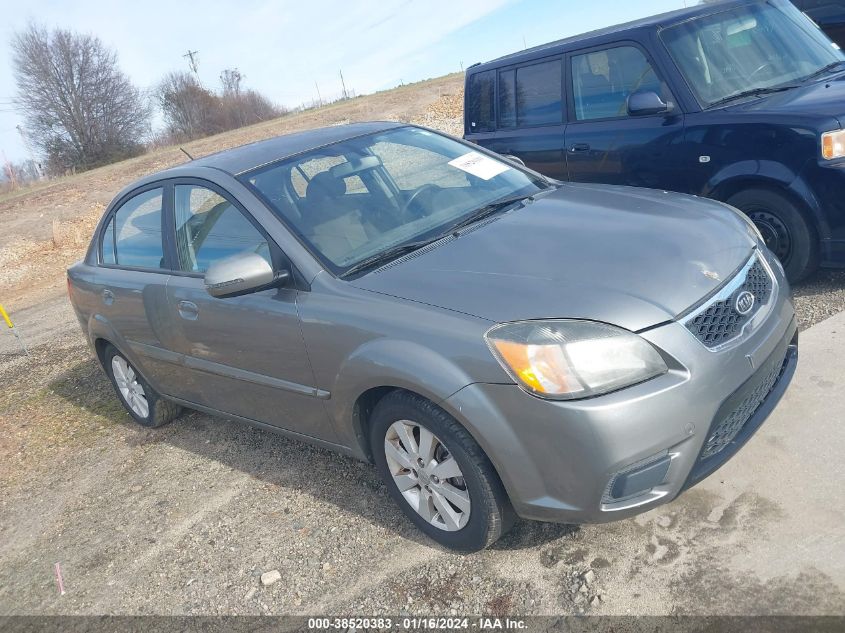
(479, 165)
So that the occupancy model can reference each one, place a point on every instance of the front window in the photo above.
(754, 47)
(603, 80)
(210, 228)
(355, 199)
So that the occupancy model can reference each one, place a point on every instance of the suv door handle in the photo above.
(108, 297)
(188, 310)
(579, 147)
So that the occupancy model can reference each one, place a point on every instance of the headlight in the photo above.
(566, 359)
(833, 145)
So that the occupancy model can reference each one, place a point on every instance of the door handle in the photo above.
(108, 297)
(579, 147)
(188, 310)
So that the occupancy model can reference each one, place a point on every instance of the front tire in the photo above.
(785, 230)
(144, 404)
(438, 474)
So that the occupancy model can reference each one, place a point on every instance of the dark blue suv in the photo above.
(742, 101)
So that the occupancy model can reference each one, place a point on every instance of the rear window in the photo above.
(480, 114)
(531, 95)
(538, 94)
(132, 237)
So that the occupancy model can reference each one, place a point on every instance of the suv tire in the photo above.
(786, 231)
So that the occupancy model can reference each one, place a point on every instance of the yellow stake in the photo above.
(11, 325)
(6, 317)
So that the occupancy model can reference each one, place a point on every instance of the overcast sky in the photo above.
(283, 47)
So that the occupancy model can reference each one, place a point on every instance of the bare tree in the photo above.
(190, 110)
(230, 81)
(80, 109)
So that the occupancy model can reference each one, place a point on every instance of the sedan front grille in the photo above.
(726, 429)
(719, 321)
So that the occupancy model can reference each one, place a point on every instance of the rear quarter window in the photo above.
(480, 94)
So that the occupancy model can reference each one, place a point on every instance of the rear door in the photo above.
(246, 355)
(132, 281)
(606, 145)
(530, 116)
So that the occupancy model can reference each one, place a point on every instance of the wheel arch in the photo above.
(796, 192)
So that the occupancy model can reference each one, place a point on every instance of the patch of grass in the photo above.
(40, 423)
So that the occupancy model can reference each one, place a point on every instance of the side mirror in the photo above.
(241, 274)
(645, 102)
(515, 159)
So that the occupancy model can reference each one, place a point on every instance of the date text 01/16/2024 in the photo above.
(418, 623)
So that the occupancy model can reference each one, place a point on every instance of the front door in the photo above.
(246, 355)
(606, 145)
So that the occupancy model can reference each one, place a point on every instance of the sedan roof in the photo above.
(240, 159)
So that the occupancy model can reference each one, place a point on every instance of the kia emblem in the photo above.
(744, 302)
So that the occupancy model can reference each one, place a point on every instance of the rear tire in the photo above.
(785, 230)
(482, 512)
(144, 404)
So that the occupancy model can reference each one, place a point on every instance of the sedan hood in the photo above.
(631, 257)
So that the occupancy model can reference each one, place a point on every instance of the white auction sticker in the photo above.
(479, 165)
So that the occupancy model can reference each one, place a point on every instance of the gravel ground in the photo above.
(206, 516)
(820, 297)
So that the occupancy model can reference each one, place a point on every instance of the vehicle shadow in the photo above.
(273, 459)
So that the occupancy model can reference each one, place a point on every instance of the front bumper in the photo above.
(559, 461)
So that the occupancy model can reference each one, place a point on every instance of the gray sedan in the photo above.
(497, 343)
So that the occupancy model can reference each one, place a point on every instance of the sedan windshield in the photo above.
(757, 47)
(386, 193)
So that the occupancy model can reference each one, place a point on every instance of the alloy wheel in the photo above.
(130, 389)
(427, 475)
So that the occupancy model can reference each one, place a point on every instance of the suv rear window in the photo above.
(538, 94)
(531, 95)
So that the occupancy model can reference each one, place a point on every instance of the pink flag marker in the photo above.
(59, 579)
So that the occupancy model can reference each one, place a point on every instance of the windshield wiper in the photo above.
(488, 210)
(754, 92)
(389, 255)
(396, 252)
(823, 70)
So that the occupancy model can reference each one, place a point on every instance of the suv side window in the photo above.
(480, 101)
(531, 95)
(210, 228)
(132, 237)
(603, 80)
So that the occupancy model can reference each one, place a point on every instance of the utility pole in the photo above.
(319, 98)
(343, 83)
(193, 61)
